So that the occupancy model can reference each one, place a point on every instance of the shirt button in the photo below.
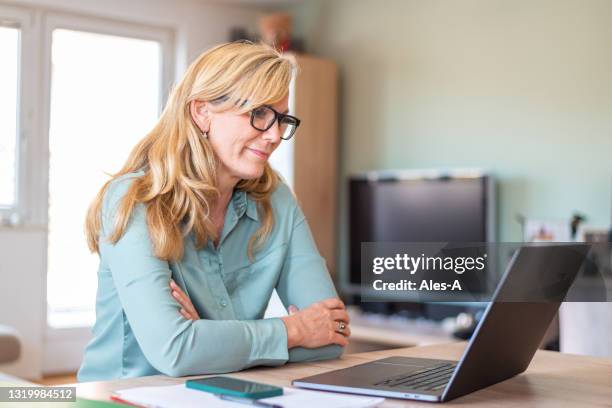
(223, 303)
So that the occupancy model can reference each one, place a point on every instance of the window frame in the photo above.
(21, 19)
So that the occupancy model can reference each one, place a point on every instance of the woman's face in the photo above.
(242, 150)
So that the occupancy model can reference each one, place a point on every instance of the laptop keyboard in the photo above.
(427, 379)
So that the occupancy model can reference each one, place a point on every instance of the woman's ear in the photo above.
(200, 115)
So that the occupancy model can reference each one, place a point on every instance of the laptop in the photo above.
(501, 347)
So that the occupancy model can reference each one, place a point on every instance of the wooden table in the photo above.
(552, 380)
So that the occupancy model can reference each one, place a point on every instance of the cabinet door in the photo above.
(315, 151)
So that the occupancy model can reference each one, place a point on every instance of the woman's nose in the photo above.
(273, 135)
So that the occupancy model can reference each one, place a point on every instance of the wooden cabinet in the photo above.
(309, 162)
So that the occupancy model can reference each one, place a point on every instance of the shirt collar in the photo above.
(244, 204)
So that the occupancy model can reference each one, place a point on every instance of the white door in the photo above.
(76, 93)
(106, 93)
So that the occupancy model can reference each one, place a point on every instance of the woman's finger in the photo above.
(333, 303)
(335, 327)
(173, 285)
(340, 314)
(189, 316)
(179, 297)
(339, 339)
(184, 301)
(188, 306)
(182, 298)
(176, 288)
(347, 331)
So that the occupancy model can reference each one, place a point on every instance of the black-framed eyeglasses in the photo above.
(264, 117)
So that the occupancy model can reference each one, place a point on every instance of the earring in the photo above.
(205, 135)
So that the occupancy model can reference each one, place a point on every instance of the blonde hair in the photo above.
(179, 181)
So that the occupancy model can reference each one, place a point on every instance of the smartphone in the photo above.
(234, 387)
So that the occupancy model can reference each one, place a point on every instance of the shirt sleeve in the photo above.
(305, 280)
(174, 345)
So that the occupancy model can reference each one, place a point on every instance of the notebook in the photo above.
(171, 396)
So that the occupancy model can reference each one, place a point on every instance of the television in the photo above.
(417, 206)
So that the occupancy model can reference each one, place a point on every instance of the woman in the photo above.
(196, 230)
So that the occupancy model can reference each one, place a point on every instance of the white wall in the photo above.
(197, 25)
(21, 302)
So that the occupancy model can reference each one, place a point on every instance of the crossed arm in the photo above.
(312, 324)
(316, 326)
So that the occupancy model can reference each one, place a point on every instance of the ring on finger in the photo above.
(341, 327)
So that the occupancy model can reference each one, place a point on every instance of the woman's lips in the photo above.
(259, 153)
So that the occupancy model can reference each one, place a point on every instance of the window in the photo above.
(105, 97)
(9, 99)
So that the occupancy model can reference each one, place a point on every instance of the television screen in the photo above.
(412, 208)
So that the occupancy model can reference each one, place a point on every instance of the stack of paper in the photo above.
(180, 396)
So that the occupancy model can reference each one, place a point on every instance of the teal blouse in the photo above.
(139, 330)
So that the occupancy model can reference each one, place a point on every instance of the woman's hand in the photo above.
(187, 309)
(322, 323)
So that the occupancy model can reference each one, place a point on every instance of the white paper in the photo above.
(296, 398)
(172, 396)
